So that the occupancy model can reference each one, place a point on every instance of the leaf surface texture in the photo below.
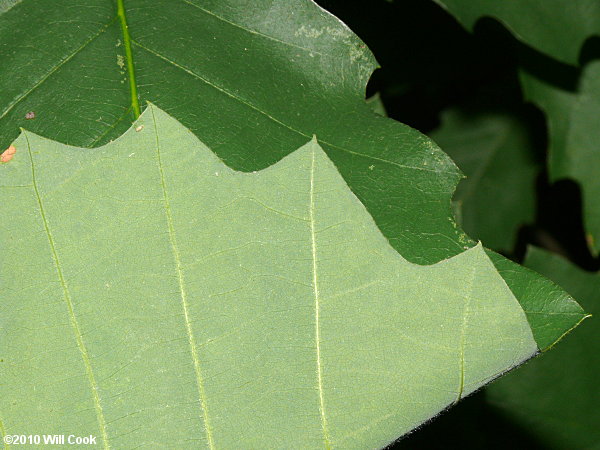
(496, 153)
(556, 395)
(558, 29)
(158, 297)
(254, 81)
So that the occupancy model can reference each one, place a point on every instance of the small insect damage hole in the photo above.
(30, 115)
(8, 154)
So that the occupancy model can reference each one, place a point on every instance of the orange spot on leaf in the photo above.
(8, 154)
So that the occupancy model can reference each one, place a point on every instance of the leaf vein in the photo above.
(71, 310)
(3, 433)
(463, 334)
(258, 33)
(135, 104)
(110, 128)
(183, 294)
(279, 122)
(55, 68)
(315, 285)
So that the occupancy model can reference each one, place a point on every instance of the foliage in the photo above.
(304, 73)
(557, 28)
(561, 32)
(255, 81)
(574, 136)
(565, 416)
(260, 294)
(496, 154)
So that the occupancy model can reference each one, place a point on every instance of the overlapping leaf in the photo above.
(559, 31)
(255, 81)
(557, 28)
(495, 152)
(574, 137)
(242, 77)
(556, 396)
(152, 296)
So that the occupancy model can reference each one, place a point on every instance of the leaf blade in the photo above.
(556, 31)
(249, 257)
(487, 148)
(568, 368)
(290, 71)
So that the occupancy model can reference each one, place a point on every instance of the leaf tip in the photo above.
(549, 347)
(478, 247)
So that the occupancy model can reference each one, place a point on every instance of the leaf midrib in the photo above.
(134, 100)
(135, 104)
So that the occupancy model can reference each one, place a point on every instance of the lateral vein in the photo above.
(279, 122)
(71, 310)
(463, 335)
(315, 283)
(183, 293)
(55, 68)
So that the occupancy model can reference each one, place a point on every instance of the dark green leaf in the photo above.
(574, 136)
(557, 28)
(495, 152)
(556, 396)
(254, 80)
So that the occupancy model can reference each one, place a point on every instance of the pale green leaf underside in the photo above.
(154, 297)
(260, 79)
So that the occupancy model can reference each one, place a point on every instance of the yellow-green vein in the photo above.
(183, 293)
(69, 302)
(463, 335)
(315, 286)
(3, 433)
